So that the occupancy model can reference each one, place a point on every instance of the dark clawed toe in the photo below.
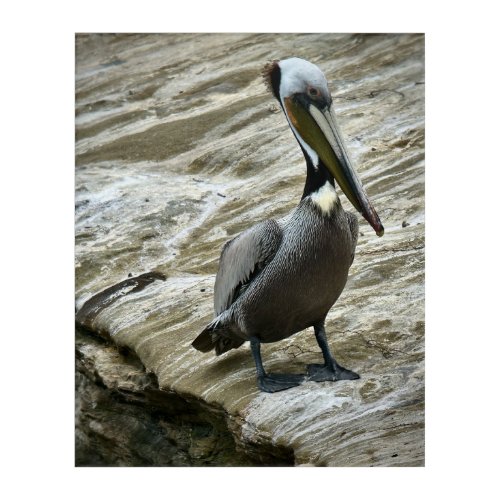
(322, 373)
(345, 374)
(279, 381)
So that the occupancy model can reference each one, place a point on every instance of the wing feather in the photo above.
(241, 260)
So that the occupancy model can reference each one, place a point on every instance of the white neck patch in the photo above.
(325, 198)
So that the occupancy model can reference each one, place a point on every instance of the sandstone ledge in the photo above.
(178, 148)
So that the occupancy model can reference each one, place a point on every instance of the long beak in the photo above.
(319, 129)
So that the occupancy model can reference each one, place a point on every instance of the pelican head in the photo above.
(302, 91)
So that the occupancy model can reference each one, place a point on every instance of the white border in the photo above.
(37, 40)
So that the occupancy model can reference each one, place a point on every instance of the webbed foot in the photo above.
(279, 381)
(322, 373)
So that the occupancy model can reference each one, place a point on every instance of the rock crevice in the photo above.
(123, 418)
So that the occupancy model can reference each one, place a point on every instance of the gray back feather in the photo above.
(242, 258)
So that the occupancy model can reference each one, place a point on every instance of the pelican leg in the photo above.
(273, 382)
(331, 370)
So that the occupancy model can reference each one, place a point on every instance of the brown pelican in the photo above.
(282, 276)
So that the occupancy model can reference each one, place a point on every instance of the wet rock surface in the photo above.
(179, 147)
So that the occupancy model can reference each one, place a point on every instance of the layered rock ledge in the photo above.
(179, 146)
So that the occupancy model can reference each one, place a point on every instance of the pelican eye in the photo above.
(313, 91)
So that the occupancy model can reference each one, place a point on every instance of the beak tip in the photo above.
(373, 219)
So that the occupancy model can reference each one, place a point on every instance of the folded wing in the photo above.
(242, 259)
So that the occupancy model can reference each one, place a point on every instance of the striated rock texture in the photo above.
(179, 147)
